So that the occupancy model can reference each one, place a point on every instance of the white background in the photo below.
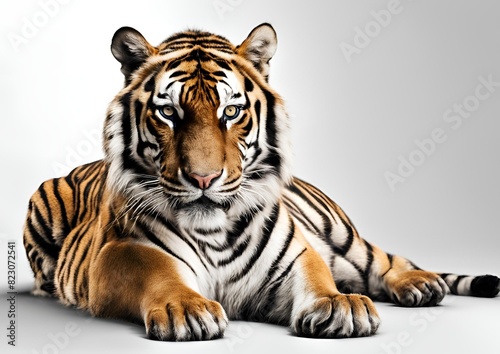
(354, 117)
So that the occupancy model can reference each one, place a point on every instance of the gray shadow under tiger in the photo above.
(193, 216)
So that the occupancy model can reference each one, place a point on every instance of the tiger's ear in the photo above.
(259, 47)
(131, 49)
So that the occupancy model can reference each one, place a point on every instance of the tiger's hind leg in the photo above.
(407, 285)
(44, 231)
(360, 267)
(386, 277)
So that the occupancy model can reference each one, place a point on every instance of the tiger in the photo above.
(193, 217)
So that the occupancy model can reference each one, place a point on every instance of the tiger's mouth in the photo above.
(205, 203)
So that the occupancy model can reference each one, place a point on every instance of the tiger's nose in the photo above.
(203, 181)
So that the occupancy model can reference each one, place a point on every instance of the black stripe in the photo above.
(274, 266)
(152, 129)
(229, 190)
(205, 43)
(62, 206)
(198, 37)
(46, 229)
(77, 268)
(176, 232)
(34, 256)
(300, 216)
(273, 158)
(143, 143)
(84, 287)
(342, 250)
(325, 234)
(219, 73)
(70, 254)
(236, 252)
(276, 284)
(152, 237)
(232, 180)
(222, 63)
(390, 257)
(178, 73)
(264, 239)
(128, 162)
(150, 85)
(206, 232)
(28, 246)
(138, 106)
(240, 226)
(485, 286)
(89, 190)
(126, 132)
(317, 196)
(246, 129)
(414, 266)
(454, 286)
(169, 85)
(258, 112)
(248, 85)
(271, 128)
(282, 276)
(369, 262)
(43, 194)
(86, 172)
(174, 63)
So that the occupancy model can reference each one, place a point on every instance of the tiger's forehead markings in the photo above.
(224, 84)
(230, 92)
(208, 74)
(191, 39)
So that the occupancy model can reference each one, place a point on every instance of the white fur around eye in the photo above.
(168, 115)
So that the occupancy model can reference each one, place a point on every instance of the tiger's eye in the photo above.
(167, 111)
(231, 111)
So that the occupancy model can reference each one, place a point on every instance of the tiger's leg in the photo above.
(46, 226)
(320, 310)
(356, 265)
(134, 281)
(404, 283)
(365, 268)
(408, 285)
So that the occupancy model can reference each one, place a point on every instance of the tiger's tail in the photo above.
(480, 286)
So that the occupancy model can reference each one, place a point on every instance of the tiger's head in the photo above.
(197, 134)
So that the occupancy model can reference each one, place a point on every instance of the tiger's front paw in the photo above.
(189, 318)
(337, 316)
(418, 288)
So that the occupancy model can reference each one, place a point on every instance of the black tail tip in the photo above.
(485, 286)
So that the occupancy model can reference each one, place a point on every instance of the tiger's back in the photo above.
(63, 230)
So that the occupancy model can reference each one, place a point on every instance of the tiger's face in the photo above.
(197, 134)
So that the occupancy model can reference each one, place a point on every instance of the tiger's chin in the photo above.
(202, 214)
